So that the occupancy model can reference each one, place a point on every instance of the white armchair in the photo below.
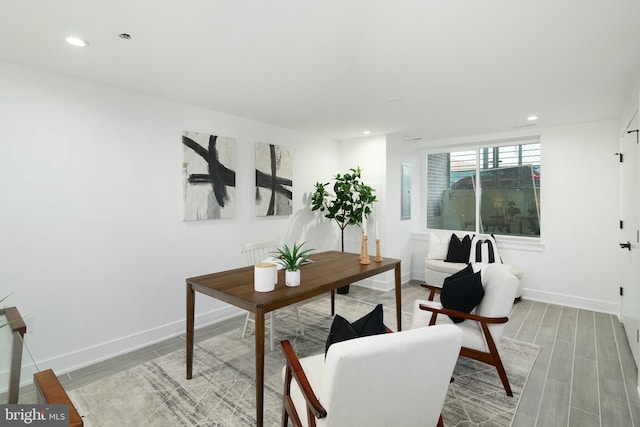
(393, 379)
(483, 327)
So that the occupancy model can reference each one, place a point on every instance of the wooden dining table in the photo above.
(327, 272)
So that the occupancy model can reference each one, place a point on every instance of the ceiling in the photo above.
(431, 69)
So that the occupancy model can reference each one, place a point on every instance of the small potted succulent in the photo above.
(291, 259)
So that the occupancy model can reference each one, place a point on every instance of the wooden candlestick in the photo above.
(365, 253)
(378, 258)
(362, 245)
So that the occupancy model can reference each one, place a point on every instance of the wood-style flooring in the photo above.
(584, 375)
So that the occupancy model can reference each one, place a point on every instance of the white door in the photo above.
(630, 235)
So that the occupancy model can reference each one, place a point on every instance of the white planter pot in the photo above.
(292, 278)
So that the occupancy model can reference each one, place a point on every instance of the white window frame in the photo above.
(529, 243)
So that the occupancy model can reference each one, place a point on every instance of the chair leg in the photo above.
(503, 375)
(271, 334)
(271, 326)
(298, 319)
(440, 422)
(246, 323)
(496, 360)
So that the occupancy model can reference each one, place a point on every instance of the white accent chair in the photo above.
(253, 253)
(393, 379)
(483, 327)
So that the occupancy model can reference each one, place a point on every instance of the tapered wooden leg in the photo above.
(503, 376)
(496, 361)
(398, 296)
(191, 300)
(259, 319)
(285, 396)
(333, 302)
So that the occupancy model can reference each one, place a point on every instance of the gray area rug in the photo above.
(222, 391)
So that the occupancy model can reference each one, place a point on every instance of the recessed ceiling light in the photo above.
(367, 132)
(76, 41)
(532, 118)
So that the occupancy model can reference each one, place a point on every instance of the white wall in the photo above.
(93, 243)
(577, 262)
(371, 155)
(92, 238)
(398, 231)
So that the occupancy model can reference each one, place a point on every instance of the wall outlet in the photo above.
(28, 320)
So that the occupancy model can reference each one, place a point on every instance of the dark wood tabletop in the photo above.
(328, 271)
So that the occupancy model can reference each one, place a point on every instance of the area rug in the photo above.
(222, 391)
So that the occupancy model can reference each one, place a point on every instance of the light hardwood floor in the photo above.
(584, 375)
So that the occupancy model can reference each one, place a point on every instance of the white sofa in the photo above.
(436, 269)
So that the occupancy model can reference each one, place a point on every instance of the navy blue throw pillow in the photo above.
(459, 250)
(463, 293)
(342, 330)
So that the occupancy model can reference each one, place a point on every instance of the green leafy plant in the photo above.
(292, 259)
(350, 203)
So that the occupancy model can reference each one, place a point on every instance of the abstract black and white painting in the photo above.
(209, 177)
(274, 180)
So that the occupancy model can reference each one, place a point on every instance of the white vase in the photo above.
(292, 278)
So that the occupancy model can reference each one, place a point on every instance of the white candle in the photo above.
(364, 226)
(376, 220)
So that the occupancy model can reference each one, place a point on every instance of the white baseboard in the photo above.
(382, 283)
(75, 360)
(555, 298)
(571, 301)
(78, 359)
(418, 275)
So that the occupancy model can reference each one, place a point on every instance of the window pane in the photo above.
(510, 183)
(451, 200)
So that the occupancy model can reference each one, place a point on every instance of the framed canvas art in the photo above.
(209, 178)
(274, 180)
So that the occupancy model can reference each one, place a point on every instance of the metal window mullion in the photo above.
(479, 187)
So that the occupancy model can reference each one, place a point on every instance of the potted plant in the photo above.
(291, 260)
(350, 204)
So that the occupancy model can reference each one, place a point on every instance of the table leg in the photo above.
(398, 297)
(191, 300)
(259, 323)
(333, 302)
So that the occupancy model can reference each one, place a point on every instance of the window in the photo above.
(504, 200)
